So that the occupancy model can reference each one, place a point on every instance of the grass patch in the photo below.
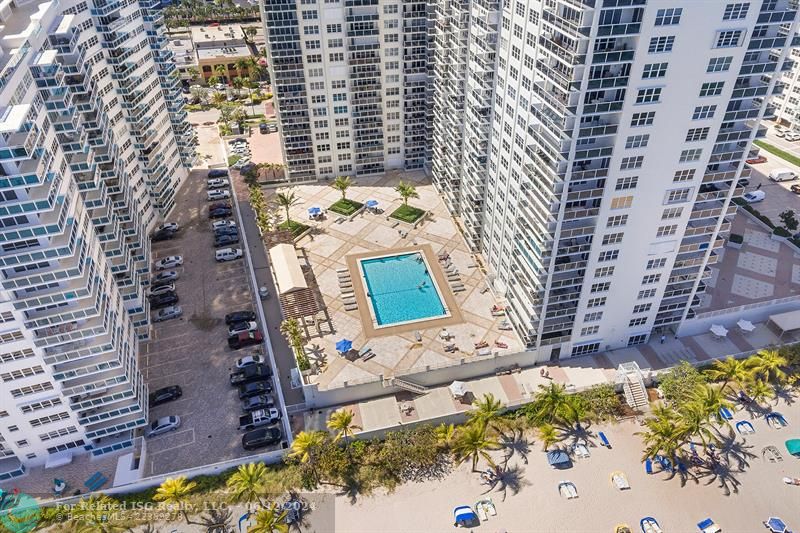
(232, 159)
(783, 154)
(346, 207)
(407, 213)
(296, 228)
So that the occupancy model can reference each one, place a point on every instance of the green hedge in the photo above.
(407, 213)
(232, 159)
(781, 232)
(295, 227)
(346, 207)
(741, 202)
(783, 154)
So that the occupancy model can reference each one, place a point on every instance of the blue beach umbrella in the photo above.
(372, 203)
(344, 345)
(314, 210)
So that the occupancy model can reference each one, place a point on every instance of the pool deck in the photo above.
(330, 244)
(434, 268)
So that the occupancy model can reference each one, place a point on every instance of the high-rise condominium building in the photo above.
(787, 102)
(94, 143)
(618, 134)
(350, 79)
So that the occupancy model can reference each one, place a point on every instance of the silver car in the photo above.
(218, 195)
(162, 289)
(169, 262)
(163, 425)
(167, 275)
(168, 313)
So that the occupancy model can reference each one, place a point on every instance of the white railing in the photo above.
(745, 307)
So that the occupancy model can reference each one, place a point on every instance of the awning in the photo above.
(288, 274)
(786, 321)
(557, 457)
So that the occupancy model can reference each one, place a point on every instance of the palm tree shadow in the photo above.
(571, 434)
(509, 479)
(515, 444)
(721, 473)
(785, 394)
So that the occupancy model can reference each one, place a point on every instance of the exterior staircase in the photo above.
(405, 385)
(630, 375)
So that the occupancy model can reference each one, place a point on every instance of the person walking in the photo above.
(663, 338)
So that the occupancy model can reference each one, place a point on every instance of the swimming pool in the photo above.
(401, 289)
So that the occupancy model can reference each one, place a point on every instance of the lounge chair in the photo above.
(484, 351)
(364, 351)
(347, 291)
(95, 481)
(444, 334)
(619, 480)
(418, 336)
(456, 285)
(604, 439)
(649, 525)
(343, 270)
(369, 356)
(745, 428)
(568, 490)
(581, 450)
(345, 285)
(708, 526)
(648, 466)
(350, 307)
(726, 414)
(459, 289)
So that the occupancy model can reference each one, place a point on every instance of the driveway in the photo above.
(192, 351)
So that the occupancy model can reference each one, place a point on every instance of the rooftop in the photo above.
(211, 35)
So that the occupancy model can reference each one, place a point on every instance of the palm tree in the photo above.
(287, 200)
(175, 491)
(222, 72)
(241, 65)
(218, 99)
(342, 423)
(445, 435)
(247, 483)
(92, 515)
(548, 435)
(341, 184)
(270, 521)
(488, 413)
(728, 370)
(711, 401)
(575, 410)
(306, 444)
(662, 434)
(473, 443)
(694, 421)
(769, 364)
(549, 403)
(193, 73)
(406, 191)
(290, 328)
(760, 391)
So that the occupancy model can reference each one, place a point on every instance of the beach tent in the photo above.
(464, 516)
(558, 459)
(793, 447)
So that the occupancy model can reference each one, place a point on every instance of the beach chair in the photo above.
(459, 289)
(484, 351)
(418, 336)
(369, 355)
(481, 512)
(350, 307)
(725, 414)
(347, 292)
(364, 351)
(95, 481)
(604, 440)
(342, 270)
(648, 466)
(457, 286)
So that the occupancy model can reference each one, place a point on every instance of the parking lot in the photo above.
(192, 351)
(778, 196)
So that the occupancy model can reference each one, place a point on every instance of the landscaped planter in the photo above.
(734, 245)
(409, 215)
(777, 238)
(346, 208)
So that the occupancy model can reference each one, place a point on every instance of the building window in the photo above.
(637, 339)
(589, 330)
(736, 11)
(642, 308)
(32, 389)
(336, 56)
(596, 302)
(719, 64)
(642, 119)
(661, 44)
(608, 255)
(311, 30)
(626, 183)
(604, 272)
(669, 16)
(678, 195)
(612, 238)
(600, 287)
(728, 38)
(641, 321)
(621, 202)
(310, 14)
(637, 141)
(654, 70)
(697, 134)
(703, 112)
(585, 349)
(647, 293)
(671, 212)
(22, 443)
(684, 175)
(713, 88)
(656, 263)
(690, 155)
(334, 28)
(666, 231)
(650, 279)
(595, 316)
(617, 221)
(651, 95)
(629, 163)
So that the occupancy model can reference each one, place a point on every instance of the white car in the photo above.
(218, 195)
(248, 360)
(754, 196)
(217, 224)
(228, 254)
(241, 327)
(217, 183)
(163, 425)
(169, 226)
(171, 261)
(792, 136)
(162, 289)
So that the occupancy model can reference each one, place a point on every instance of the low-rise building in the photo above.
(223, 45)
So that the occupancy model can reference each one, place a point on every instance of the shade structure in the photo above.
(745, 325)
(784, 322)
(458, 389)
(776, 525)
(314, 210)
(371, 203)
(719, 330)
(557, 458)
(344, 345)
(286, 267)
(793, 447)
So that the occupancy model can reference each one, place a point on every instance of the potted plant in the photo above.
(780, 234)
(735, 241)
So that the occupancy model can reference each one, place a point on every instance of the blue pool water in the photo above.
(401, 289)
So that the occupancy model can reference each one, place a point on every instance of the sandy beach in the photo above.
(738, 502)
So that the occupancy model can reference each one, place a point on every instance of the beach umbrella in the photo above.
(314, 210)
(745, 325)
(776, 525)
(458, 389)
(344, 345)
(372, 204)
(719, 330)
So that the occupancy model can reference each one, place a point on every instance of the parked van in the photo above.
(228, 254)
(782, 174)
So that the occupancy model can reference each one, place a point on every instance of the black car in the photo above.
(259, 438)
(250, 374)
(226, 230)
(219, 213)
(218, 173)
(163, 300)
(262, 401)
(155, 296)
(163, 235)
(225, 240)
(263, 127)
(220, 205)
(167, 394)
(239, 316)
(257, 388)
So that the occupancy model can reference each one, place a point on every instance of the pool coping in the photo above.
(434, 268)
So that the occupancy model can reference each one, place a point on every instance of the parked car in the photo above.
(792, 136)
(259, 418)
(168, 313)
(221, 212)
(217, 183)
(164, 395)
(260, 438)
(250, 374)
(228, 254)
(220, 205)
(163, 425)
(272, 127)
(247, 338)
(171, 226)
(249, 360)
(239, 316)
(239, 327)
(171, 261)
(754, 196)
(795, 188)
(217, 224)
(166, 276)
(226, 230)
(780, 131)
(161, 289)
(782, 174)
(217, 195)
(225, 240)
(262, 401)
(163, 300)
(263, 128)
(756, 160)
(162, 235)
(217, 173)
(257, 388)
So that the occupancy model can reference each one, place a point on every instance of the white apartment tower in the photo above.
(350, 79)
(787, 102)
(618, 134)
(94, 143)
